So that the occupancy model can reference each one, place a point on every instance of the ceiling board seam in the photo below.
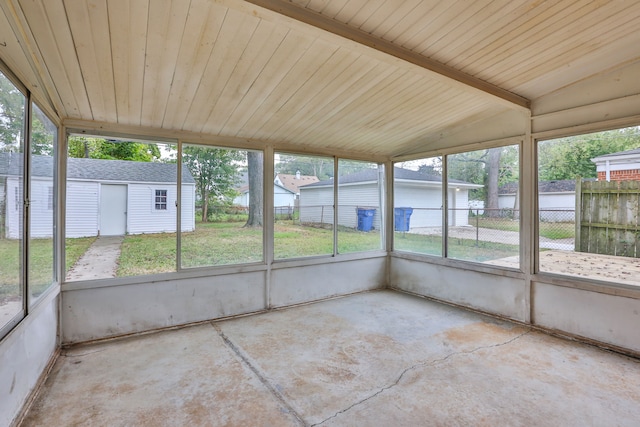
(365, 39)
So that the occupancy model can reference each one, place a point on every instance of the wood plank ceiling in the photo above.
(237, 69)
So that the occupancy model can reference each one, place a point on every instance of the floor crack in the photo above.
(419, 365)
(273, 390)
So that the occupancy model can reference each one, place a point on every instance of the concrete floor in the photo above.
(372, 359)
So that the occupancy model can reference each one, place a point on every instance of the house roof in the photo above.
(331, 76)
(621, 155)
(98, 169)
(293, 184)
(371, 175)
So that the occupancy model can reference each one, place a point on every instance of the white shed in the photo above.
(104, 197)
(415, 190)
(556, 199)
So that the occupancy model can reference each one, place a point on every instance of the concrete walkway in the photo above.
(373, 359)
(100, 261)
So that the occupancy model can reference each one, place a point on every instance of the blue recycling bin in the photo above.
(402, 217)
(365, 219)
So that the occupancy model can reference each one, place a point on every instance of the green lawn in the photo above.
(464, 249)
(224, 243)
(550, 230)
(41, 263)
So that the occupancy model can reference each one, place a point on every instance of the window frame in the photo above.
(163, 205)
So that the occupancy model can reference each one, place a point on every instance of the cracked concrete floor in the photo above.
(372, 359)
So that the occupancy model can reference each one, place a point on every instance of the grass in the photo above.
(550, 230)
(225, 243)
(464, 249)
(40, 264)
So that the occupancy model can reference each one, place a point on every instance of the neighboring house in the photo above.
(293, 184)
(104, 197)
(421, 192)
(282, 197)
(622, 166)
(556, 199)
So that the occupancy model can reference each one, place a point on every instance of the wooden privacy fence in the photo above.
(607, 217)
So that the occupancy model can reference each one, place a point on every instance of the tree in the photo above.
(570, 158)
(12, 103)
(215, 171)
(322, 167)
(43, 133)
(491, 168)
(255, 174)
(99, 148)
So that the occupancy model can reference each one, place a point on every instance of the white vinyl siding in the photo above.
(41, 207)
(13, 219)
(282, 197)
(316, 205)
(426, 202)
(188, 219)
(143, 217)
(82, 209)
(350, 198)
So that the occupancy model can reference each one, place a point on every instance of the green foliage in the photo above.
(348, 167)
(12, 103)
(216, 172)
(322, 167)
(98, 148)
(44, 133)
(570, 158)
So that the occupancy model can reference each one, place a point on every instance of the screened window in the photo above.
(303, 206)
(483, 213)
(222, 200)
(417, 195)
(482, 222)
(161, 200)
(44, 136)
(589, 205)
(12, 111)
(360, 202)
(100, 211)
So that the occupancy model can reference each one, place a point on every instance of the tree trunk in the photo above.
(493, 166)
(254, 161)
(205, 207)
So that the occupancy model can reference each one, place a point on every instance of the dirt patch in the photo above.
(594, 266)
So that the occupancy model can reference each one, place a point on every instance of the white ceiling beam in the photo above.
(314, 19)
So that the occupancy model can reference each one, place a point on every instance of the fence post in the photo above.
(578, 215)
(477, 226)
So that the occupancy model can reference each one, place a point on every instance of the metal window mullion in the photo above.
(445, 207)
(178, 208)
(335, 206)
(26, 197)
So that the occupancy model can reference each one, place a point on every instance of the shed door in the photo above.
(113, 210)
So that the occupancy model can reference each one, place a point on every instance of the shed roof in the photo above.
(98, 169)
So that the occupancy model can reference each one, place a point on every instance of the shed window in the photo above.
(161, 200)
